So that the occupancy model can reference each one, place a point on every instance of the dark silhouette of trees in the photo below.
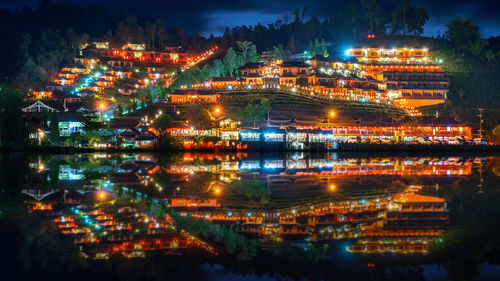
(54, 128)
(12, 124)
(162, 122)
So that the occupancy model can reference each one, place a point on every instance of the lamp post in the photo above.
(40, 136)
(330, 115)
(101, 108)
(217, 111)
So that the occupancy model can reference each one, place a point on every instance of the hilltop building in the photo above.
(404, 77)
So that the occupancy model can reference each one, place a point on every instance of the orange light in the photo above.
(217, 190)
(332, 113)
(102, 105)
(332, 187)
(102, 195)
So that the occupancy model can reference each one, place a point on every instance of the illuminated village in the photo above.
(404, 79)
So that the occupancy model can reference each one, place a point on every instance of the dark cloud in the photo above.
(206, 16)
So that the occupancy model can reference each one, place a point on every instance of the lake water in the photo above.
(249, 216)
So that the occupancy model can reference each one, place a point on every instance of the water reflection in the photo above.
(251, 207)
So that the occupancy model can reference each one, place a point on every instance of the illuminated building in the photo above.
(193, 96)
(253, 73)
(133, 138)
(39, 106)
(405, 73)
(127, 90)
(419, 88)
(223, 82)
(138, 53)
(76, 68)
(42, 94)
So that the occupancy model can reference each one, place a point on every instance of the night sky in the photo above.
(211, 16)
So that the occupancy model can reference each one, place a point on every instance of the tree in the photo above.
(12, 125)
(199, 117)
(32, 75)
(162, 123)
(54, 128)
(351, 17)
(477, 46)
(322, 49)
(248, 52)
(254, 190)
(118, 110)
(280, 53)
(399, 17)
(371, 9)
(255, 111)
(462, 33)
(218, 68)
(417, 18)
(291, 44)
(230, 60)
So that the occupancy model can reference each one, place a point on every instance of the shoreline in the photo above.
(342, 147)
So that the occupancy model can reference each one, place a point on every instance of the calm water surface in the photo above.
(295, 216)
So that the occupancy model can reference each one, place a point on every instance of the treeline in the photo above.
(38, 41)
(473, 65)
(246, 52)
(42, 39)
(350, 22)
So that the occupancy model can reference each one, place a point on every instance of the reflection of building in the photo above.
(337, 167)
(412, 221)
(403, 223)
(416, 211)
(128, 232)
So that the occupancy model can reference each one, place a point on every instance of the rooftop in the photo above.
(417, 198)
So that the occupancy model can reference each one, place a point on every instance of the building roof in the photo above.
(39, 107)
(445, 120)
(70, 117)
(319, 58)
(184, 92)
(417, 198)
(294, 64)
(251, 65)
(288, 75)
(129, 133)
(124, 122)
(74, 65)
(223, 79)
(252, 75)
(145, 136)
(128, 87)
